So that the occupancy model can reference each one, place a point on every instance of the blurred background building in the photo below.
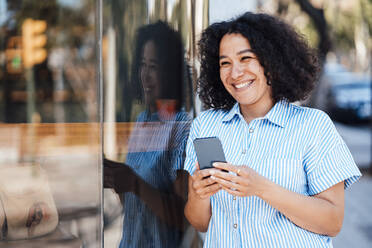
(65, 101)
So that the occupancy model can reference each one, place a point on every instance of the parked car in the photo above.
(344, 95)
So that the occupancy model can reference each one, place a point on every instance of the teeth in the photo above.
(239, 86)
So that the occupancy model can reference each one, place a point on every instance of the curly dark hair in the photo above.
(290, 65)
(170, 56)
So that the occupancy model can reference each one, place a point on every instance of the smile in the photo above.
(147, 89)
(243, 85)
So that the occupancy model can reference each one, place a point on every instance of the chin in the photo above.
(245, 101)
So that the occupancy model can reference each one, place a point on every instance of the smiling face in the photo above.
(242, 74)
(150, 73)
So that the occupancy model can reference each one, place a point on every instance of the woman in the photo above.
(287, 165)
(151, 181)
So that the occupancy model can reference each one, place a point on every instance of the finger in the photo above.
(108, 182)
(202, 173)
(210, 193)
(199, 184)
(226, 166)
(241, 170)
(212, 189)
(223, 175)
(108, 175)
(233, 192)
(228, 184)
(231, 177)
(111, 164)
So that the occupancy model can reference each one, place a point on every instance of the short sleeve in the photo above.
(190, 151)
(180, 136)
(178, 141)
(328, 161)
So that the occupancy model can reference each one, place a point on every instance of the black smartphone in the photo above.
(208, 150)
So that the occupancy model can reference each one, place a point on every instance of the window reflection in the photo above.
(151, 181)
(149, 73)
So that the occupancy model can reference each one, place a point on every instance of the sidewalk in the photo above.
(357, 228)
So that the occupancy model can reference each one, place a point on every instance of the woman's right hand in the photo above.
(202, 183)
(198, 209)
(118, 176)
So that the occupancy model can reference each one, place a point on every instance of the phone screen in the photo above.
(208, 150)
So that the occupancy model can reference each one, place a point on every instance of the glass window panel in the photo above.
(149, 72)
(50, 147)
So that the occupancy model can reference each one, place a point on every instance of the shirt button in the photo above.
(235, 225)
(234, 198)
(251, 130)
(244, 151)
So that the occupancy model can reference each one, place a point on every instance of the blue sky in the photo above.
(70, 3)
(3, 15)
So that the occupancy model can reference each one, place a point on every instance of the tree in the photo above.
(320, 23)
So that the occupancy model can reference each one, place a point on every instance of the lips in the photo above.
(243, 84)
(148, 88)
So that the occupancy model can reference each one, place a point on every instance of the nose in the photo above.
(237, 71)
(144, 72)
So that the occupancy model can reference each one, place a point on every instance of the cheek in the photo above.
(143, 74)
(260, 71)
(264, 79)
(155, 74)
(223, 76)
(151, 75)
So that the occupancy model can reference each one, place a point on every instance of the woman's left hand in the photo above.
(244, 182)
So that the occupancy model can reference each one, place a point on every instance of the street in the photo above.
(357, 227)
(358, 139)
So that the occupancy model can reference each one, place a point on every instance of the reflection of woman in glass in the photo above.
(151, 179)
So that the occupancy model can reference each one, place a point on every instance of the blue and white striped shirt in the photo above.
(155, 153)
(295, 147)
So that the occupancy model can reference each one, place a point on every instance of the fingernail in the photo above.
(215, 164)
(213, 177)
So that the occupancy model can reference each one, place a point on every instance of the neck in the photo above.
(151, 108)
(253, 111)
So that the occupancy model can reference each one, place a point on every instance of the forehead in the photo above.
(149, 50)
(233, 43)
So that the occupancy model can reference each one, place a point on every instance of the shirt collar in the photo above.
(235, 110)
(278, 114)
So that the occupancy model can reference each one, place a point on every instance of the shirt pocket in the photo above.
(288, 173)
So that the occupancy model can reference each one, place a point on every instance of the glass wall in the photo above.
(50, 145)
(50, 114)
(149, 50)
(96, 102)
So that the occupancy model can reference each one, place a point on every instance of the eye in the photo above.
(245, 58)
(153, 66)
(224, 63)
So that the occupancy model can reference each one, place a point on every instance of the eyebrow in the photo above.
(151, 60)
(245, 51)
(240, 52)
